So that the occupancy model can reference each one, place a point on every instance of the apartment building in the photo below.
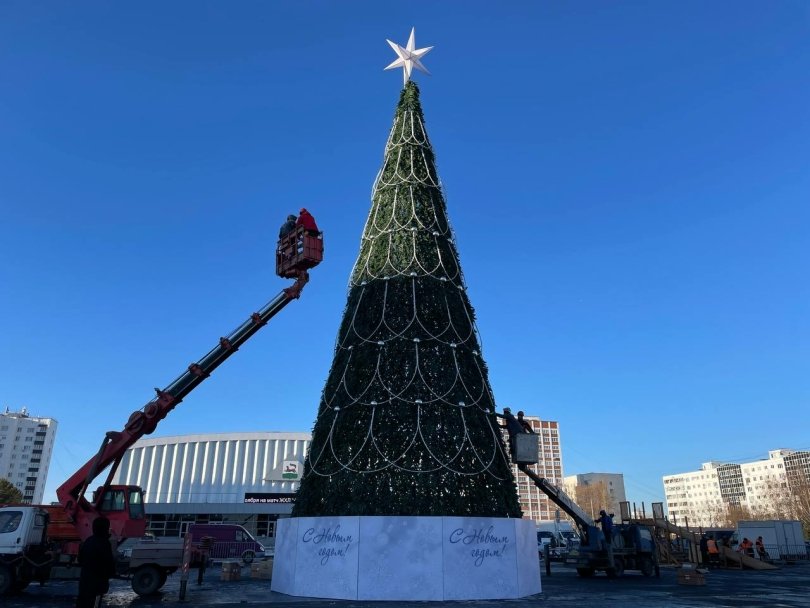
(703, 497)
(534, 503)
(26, 445)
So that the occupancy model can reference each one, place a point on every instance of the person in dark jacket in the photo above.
(704, 550)
(524, 423)
(98, 564)
(306, 220)
(287, 227)
(607, 525)
(513, 427)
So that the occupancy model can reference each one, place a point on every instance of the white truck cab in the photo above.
(21, 527)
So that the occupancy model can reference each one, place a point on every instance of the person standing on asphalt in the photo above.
(714, 552)
(98, 565)
(704, 550)
(722, 546)
(760, 545)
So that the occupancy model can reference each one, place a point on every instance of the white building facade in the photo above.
(246, 478)
(703, 497)
(26, 446)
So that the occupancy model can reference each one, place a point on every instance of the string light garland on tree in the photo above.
(406, 421)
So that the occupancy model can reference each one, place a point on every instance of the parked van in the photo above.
(231, 541)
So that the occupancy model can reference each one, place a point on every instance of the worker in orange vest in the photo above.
(714, 552)
(761, 552)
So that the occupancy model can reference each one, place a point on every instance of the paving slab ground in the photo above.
(787, 587)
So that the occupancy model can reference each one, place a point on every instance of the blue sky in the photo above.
(628, 183)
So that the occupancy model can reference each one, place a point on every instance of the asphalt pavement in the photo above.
(787, 587)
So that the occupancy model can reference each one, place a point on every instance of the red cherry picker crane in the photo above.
(36, 540)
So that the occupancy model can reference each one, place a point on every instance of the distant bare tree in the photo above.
(778, 505)
(732, 514)
(801, 504)
(789, 501)
(594, 497)
(719, 516)
(785, 501)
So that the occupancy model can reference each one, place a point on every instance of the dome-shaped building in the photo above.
(245, 478)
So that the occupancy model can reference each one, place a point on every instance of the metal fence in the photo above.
(226, 550)
(785, 553)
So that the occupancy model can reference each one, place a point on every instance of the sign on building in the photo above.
(265, 498)
(291, 470)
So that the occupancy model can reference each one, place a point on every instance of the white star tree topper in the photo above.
(408, 57)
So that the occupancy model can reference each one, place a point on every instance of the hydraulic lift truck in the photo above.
(39, 542)
(632, 546)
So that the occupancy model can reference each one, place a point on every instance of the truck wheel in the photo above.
(248, 556)
(19, 586)
(146, 580)
(585, 572)
(618, 568)
(647, 567)
(6, 580)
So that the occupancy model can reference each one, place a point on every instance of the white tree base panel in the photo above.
(406, 558)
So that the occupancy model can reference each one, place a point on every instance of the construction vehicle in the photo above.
(631, 548)
(38, 543)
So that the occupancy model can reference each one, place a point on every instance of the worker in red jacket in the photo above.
(306, 220)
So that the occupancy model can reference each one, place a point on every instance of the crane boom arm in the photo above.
(144, 421)
(559, 498)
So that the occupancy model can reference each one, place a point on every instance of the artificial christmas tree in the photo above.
(406, 423)
(407, 492)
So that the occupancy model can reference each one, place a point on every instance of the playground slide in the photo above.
(746, 560)
(677, 530)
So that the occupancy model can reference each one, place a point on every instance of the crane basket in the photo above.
(299, 250)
